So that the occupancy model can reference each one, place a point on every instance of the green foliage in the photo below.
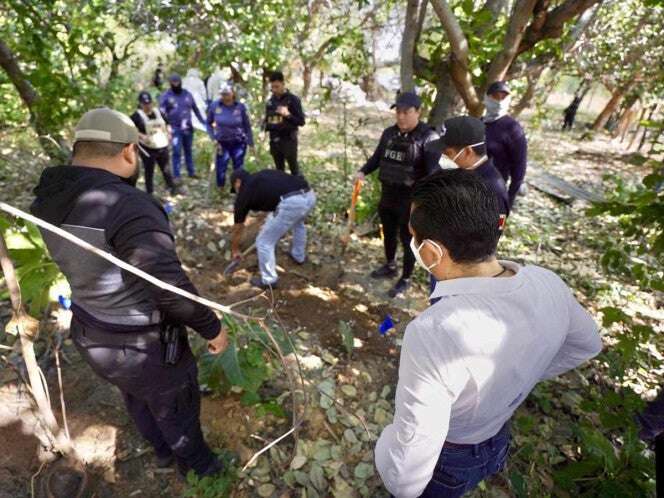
(638, 250)
(218, 486)
(246, 365)
(37, 274)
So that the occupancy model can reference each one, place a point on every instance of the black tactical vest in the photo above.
(397, 166)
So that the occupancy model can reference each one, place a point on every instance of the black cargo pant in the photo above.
(284, 149)
(163, 400)
(394, 212)
(160, 157)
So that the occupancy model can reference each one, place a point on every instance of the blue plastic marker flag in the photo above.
(386, 325)
(65, 302)
(168, 207)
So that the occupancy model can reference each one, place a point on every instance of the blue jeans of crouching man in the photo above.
(289, 215)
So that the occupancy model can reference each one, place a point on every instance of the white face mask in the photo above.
(472, 145)
(496, 108)
(416, 251)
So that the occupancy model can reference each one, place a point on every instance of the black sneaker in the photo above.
(213, 469)
(388, 270)
(292, 258)
(399, 288)
(257, 281)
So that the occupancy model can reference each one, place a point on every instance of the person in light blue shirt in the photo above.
(231, 129)
(176, 105)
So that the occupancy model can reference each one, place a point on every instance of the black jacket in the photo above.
(279, 126)
(104, 210)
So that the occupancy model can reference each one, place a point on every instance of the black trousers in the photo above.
(163, 400)
(394, 212)
(285, 150)
(160, 157)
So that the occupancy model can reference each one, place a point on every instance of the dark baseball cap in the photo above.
(498, 86)
(406, 100)
(459, 131)
(144, 97)
(175, 78)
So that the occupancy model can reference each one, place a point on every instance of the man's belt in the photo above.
(302, 191)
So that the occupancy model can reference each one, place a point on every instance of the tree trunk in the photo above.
(645, 131)
(306, 79)
(609, 108)
(447, 101)
(533, 78)
(51, 142)
(408, 46)
(638, 128)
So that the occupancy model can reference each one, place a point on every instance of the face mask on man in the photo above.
(496, 108)
(418, 257)
(176, 87)
(479, 161)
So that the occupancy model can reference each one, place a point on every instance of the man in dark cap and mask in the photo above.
(505, 140)
(129, 331)
(176, 105)
(401, 159)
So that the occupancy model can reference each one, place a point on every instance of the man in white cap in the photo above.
(130, 332)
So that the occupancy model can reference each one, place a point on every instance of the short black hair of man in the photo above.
(456, 208)
(277, 76)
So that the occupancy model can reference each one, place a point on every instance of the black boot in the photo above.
(400, 287)
(388, 270)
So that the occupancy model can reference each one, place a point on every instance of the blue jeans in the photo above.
(461, 467)
(289, 215)
(229, 151)
(183, 139)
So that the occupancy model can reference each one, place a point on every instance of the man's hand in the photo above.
(283, 111)
(219, 344)
(359, 177)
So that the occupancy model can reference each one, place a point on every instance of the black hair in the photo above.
(89, 150)
(276, 76)
(457, 209)
(239, 174)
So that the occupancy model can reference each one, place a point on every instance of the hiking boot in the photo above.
(399, 288)
(388, 270)
(257, 281)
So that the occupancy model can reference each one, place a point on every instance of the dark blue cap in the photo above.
(175, 78)
(144, 97)
(407, 99)
(498, 86)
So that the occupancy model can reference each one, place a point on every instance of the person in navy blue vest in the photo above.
(176, 105)
(505, 139)
(231, 129)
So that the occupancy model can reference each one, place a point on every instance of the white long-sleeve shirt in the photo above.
(470, 360)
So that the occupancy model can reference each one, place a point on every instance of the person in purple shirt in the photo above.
(505, 140)
(176, 105)
(231, 130)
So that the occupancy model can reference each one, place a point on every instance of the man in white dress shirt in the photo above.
(470, 360)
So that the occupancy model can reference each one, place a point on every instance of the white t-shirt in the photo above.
(470, 360)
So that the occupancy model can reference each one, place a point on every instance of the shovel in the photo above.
(235, 264)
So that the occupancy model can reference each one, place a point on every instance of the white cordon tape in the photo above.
(116, 261)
